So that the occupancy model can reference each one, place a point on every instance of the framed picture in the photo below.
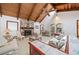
(37, 27)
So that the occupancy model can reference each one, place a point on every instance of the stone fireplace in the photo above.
(26, 31)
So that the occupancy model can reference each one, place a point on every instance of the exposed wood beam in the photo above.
(53, 6)
(57, 4)
(68, 7)
(67, 10)
(0, 9)
(40, 12)
(18, 12)
(45, 15)
(31, 11)
(43, 18)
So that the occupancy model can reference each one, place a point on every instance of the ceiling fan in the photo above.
(47, 11)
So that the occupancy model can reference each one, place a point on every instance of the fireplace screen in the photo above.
(27, 32)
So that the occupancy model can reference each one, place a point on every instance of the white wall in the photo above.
(48, 20)
(68, 20)
(3, 23)
(0, 26)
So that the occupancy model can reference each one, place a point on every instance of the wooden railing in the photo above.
(67, 46)
(65, 51)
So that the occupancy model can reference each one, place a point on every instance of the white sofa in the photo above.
(8, 47)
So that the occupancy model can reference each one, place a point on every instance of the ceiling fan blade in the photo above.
(53, 10)
(48, 14)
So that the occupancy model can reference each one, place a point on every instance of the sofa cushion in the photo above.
(10, 46)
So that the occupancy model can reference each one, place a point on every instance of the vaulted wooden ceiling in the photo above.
(61, 7)
(34, 11)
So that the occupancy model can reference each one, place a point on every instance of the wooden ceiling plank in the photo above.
(1, 9)
(53, 5)
(31, 11)
(57, 4)
(65, 7)
(70, 7)
(18, 12)
(41, 12)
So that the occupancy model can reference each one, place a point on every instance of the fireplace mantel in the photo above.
(27, 28)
